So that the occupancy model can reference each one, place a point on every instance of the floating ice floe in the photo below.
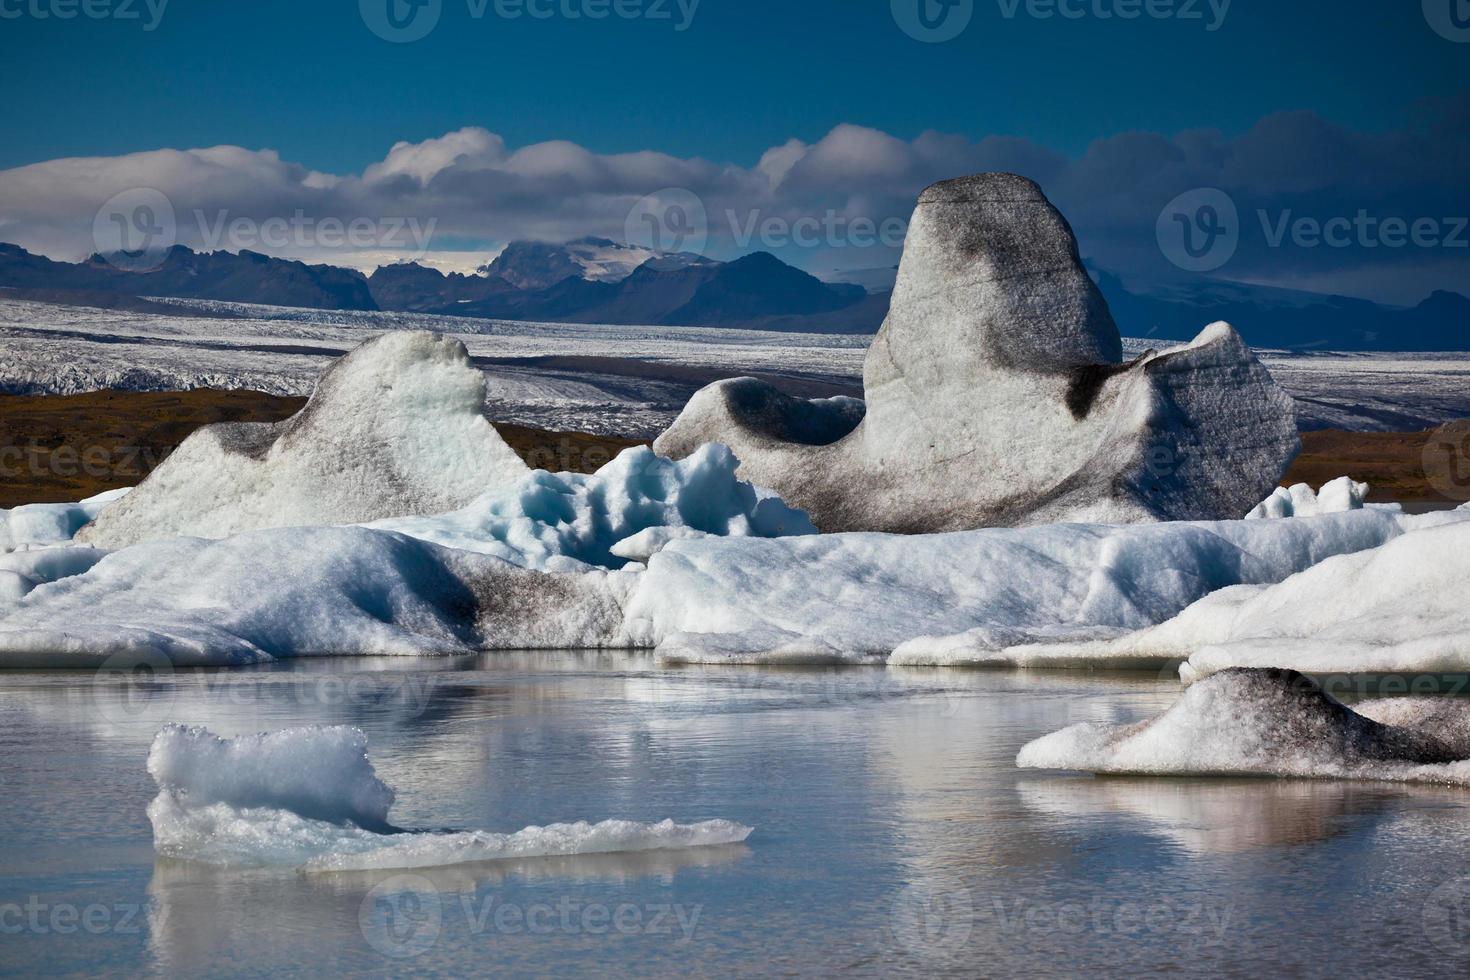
(997, 395)
(395, 427)
(1277, 723)
(310, 798)
(1301, 500)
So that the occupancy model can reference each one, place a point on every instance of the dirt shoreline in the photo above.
(57, 448)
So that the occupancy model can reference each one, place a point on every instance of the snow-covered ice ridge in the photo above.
(684, 559)
(309, 798)
(49, 349)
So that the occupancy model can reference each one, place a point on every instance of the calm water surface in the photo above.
(894, 835)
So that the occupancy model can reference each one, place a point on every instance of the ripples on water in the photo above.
(893, 833)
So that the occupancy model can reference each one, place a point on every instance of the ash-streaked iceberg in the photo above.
(997, 395)
(309, 798)
(1276, 723)
(395, 427)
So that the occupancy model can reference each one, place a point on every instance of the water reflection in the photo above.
(200, 917)
(1229, 816)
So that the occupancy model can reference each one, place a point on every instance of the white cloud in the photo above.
(479, 193)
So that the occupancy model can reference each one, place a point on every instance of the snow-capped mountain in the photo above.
(538, 265)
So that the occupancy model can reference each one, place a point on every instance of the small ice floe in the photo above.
(1342, 494)
(309, 798)
(1276, 723)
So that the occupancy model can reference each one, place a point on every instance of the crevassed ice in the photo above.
(310, 798)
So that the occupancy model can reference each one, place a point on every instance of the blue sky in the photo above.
(310, 80)
(536, 126)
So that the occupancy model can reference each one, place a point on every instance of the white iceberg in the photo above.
(988, 597)
(1301, 500)
(309, 798)
(1272, 722)
(1396, 609)
(395, 427)
(628, 510)
(47, 525)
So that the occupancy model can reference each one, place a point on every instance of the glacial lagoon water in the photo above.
(894, 836)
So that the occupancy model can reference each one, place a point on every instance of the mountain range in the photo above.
(593, 280)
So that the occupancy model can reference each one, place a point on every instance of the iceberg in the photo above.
(999, 596)
(309, 798)
(47, 525)
(1394, 609)
(1276, 723)
(395, 427)
(626, 511)
(1301, 500)
(997, 396)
